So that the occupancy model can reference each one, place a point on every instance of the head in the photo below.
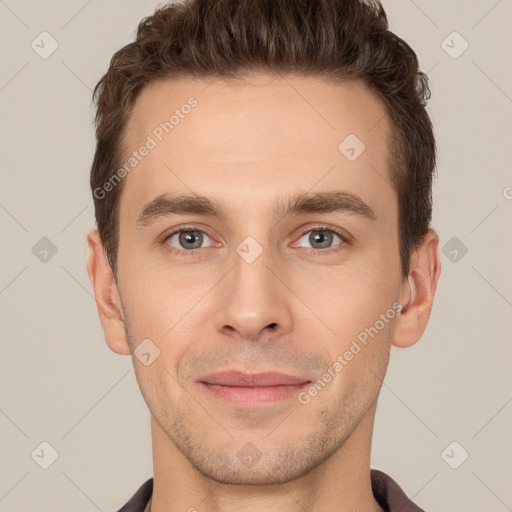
(262, 188)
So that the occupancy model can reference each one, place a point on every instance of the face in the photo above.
(283, 258)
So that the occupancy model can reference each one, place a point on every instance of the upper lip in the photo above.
(238, 378)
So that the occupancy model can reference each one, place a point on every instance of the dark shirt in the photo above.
(385, 490)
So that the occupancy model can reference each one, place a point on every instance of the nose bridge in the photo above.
(251, 262)
(253, 298)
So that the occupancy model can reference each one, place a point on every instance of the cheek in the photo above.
(363, 361)
(156, 386)
(347, 297)
(167, 307)
(153, 294)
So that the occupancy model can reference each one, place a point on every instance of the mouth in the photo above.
(251, 390)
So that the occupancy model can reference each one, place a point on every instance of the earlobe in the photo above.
(420, 289)
(106, 295)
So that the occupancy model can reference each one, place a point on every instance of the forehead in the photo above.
(245, 141)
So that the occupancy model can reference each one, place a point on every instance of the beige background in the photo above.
(61, 384)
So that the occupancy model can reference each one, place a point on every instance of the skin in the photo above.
(248, 143)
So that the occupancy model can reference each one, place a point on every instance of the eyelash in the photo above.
(311, 251)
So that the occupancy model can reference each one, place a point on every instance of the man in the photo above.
(262, 188)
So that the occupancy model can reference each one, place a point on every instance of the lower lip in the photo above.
(253, 396)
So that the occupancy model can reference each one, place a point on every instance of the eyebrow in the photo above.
(167, 205)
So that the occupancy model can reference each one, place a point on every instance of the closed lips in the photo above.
(240, 379)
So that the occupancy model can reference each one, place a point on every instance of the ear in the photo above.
(106, 295)
(417, 293)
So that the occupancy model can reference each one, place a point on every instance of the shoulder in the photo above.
(389, 494)
(139, 500)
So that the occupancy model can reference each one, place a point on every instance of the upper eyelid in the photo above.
(185, 229)
(332, 230)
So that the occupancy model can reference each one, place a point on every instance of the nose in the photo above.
(254, 302)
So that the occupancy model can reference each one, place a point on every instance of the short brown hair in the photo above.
(332, 39)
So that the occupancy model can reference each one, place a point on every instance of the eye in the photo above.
(188, 239)
(322, 238)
